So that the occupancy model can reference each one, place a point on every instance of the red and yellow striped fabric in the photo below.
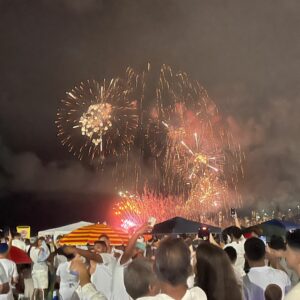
(89, 234)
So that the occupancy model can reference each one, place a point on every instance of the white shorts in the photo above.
(40, 279)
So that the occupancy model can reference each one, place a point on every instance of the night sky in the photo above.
(245, 53)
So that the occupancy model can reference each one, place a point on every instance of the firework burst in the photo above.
(136, 209)
(97, 120)
(199, 160)
(164, 122)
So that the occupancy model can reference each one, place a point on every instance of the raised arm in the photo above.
(9, 241)
(131, 244)
(237, 221)
(85, 253)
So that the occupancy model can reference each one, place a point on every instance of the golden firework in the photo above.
(97, 120)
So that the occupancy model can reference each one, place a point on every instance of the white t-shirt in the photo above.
(103, 275)
(263, 276)
(238, 275)
(193, 294)
(19, 244)
(3, 276)
(118, 286)
(11, 272)
(68, 281)
(4, 279)
(10, 268)
(240, 251)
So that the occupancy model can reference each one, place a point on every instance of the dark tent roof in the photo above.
(180, 225)
(287, 225)
(276, 227)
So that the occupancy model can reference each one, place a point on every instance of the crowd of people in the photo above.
(169, 267)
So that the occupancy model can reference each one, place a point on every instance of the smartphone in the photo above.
(233, 212)
(151, 221)
(203, 233)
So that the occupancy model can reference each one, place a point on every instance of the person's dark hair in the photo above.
(215, 275)
(293, 239)
(69, 256)
(255, 249)
(277, 243)
(273, 292)
(231, 252)
(236, 232)
(37, 240)
(138, 277)
(60, 251)
(225, 237)
(225, 233)
(173, 261)
(59, 237)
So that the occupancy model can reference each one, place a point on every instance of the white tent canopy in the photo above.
(63, 230)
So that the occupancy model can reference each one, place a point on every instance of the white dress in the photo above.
(40, 268)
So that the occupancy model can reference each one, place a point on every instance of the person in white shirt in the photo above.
(237, 242)
(10, 270)
(230, 251)
(4, 284)
(133, 250)
(172, 267)
(102, 265)
(101, 273)
(17, 242)
(260, 275)
(293, 260)
(215, 274)
(68, 282)
(275, 250)
(39, 255)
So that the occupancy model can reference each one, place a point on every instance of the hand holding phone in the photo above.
(151, 221)
(203, 233)
(233, 212)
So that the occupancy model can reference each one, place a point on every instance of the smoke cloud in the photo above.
(270, 141)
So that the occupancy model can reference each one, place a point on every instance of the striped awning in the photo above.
(91, 233)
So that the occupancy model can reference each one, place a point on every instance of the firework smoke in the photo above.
(194, 161)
